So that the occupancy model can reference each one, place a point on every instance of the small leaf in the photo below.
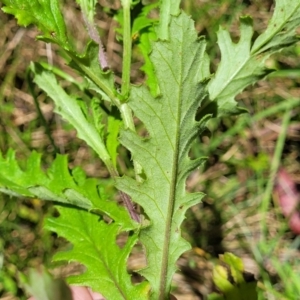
(238, 289)
(142, 21)
(220, 278)
(143, 29)
(236, 266)
(98, 116)
(215, 296)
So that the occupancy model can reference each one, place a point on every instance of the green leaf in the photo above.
(145, 41)
(143, 28)
(170, 121)
(43, 287)
(142, 21)
(236, 266)
(281, 29)
(238, 289)
(68, 108)
(215, 296)
(220, 278)
(44, 14)
(237, 69)
(57, 184)
(94, 245)
(139, 23)
(241, 64)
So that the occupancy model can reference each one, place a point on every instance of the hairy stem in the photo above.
(94, 35)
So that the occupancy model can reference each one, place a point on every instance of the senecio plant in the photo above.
(175, 103)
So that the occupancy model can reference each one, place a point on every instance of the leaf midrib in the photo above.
(172, 192)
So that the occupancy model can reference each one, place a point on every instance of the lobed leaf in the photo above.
(59, 185)
(170, 121)
(46, 15)
(243, 64)
(94, 245)
(237, 69)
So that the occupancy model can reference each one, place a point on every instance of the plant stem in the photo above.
(125, 89)
(127, 44)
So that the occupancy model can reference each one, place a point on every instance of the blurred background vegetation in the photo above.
(240, 213)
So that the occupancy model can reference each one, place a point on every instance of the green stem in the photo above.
(126, 49)
(125, 89)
